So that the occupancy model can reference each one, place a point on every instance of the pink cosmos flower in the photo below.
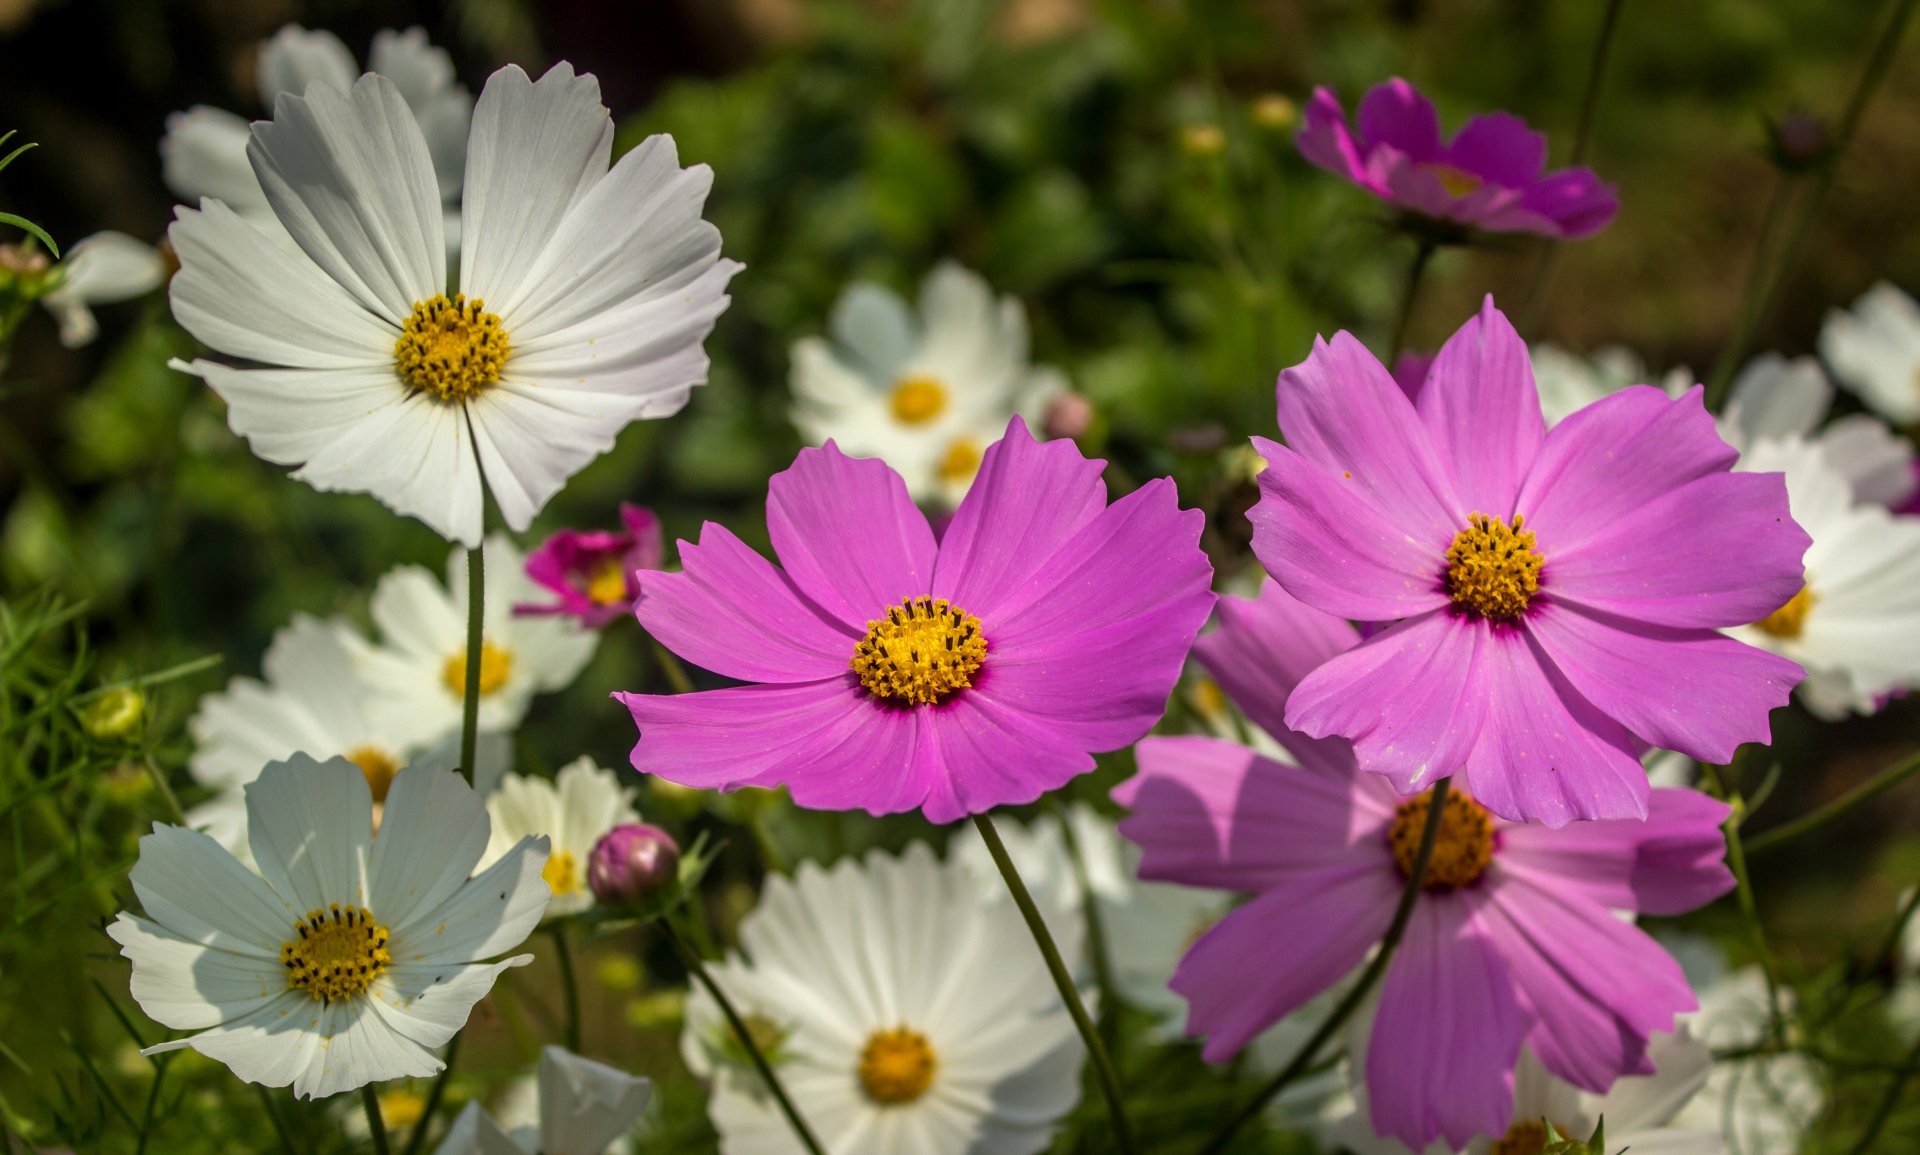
(1488, 177)
(596, 572)
(896, 672)
(1555, 595)
(1513, 942)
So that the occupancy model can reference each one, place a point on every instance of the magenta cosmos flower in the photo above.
(1556, 595)
(596, 572)
(1513, 942)
(896, 672)
(1488, 177)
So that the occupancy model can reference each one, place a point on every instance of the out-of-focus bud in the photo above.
(1068, 416)
(1274, 112)
(1199, 440)
(1203, 140)
(1800, 141)
(632, 863)
(114, 714)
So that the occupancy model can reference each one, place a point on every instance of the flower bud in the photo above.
(1274, 112)
(1068, 416)
(114, 714)
(632, 863)
(1203, 140)
(1801, 141)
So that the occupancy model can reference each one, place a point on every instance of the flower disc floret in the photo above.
(917, 399)
(1462, 849)
(897, 1066)
(496, 666)
(451, 347)
(1789, 619)
(920, 653)
(335, 953)
(1493, 570)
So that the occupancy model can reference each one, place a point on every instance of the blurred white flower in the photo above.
(1874, 350)
(1568, 381)
(1774, 399)
(573, 1106)
(103, 268)
(906, 1012)
(573, 810)
(925, 394)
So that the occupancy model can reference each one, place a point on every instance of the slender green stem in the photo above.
(1814, 820)
(476, 641)
(1582, 143)
(273, 1115)
(166, 792)
(1096, 930)
(1883, 958)
(376, 1126)
(1752, 298)
(1888, 1102)
(1743, 895)
(153, 1101)
(1302, 1059)
(741, 1034)
(569, 983)
(1063, 980)
(1408, 295)
(670, 666)
(418, 1136)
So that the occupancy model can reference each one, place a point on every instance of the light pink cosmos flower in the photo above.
(1513, 942)
(1490, 176)
(595, 572)
(1555, 595)
(899, 672)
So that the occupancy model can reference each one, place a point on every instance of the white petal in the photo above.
(1642, 1103)
(295, 57)
(424, 75)
(272, 1046)
(873, 325)
(584, 1105)
(429, 1004)
(192, 887)
(1878, 461)
(432, 833)
(535, 151)
(494, 911)
(1875, 350)
(204, 154)
(311, 828)
(109, 267)
(185, 985)
(1774, 397)
(592, 801)
(475, 1133)
(348, 174)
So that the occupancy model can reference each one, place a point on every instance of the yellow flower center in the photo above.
(401, 1107)
(607, 584)
(335, 953)
(897, 1066)
(496, 665)
(1492, 570)
(922, 651)
(378, 766)
(961, 462)
(917, 399)
(1461, 849)
(562, 874)
(1525, 1137)
(1790, 619)
(1457, 181)
(451, 348)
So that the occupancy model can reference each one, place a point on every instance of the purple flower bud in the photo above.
(631, 863)
(1801, 140)
(1069, 415)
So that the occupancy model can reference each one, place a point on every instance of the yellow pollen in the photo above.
(1462, 848)
(1525, 1137)
(1493, 571)
(897, 1066)
(918, 399)
(607, 585)
(378, 766)
(1457, 181)
(1790, 619)
(450, 348)
(335, 953)
(496, 665)
(922, 651)
(961, 462)
(562, 874)
(401, 1107)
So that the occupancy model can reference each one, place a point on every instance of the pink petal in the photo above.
(1721, 550)
(742, 735)
(847, 534)
(1326, 141)
(1578, 203)
(1334, 547)
(1028, 499)
(1546, 754)
(1411, 699)
(1694, 691)
(1597, 986)
(1268, 957)
(985, 755)
(1499, 147)
(648, 550)
(1258, 653)
(1607, 462)
(1213, 813)
(1447, 1033)
(730, 611)
(1395, 113)
(1482, 410)
(1669, 864)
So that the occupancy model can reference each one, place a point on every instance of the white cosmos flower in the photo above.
(418, 669)
(1776, 399)
(574, 1106)
(348, 958)
(1855, 625)
(204, 151)
(1874, 350)
(573, 809)
(1568, 381)
(926, 394)
(100, 270)
(907, 1012)
(582, 299)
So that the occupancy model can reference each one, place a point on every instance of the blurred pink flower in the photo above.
(596, 572)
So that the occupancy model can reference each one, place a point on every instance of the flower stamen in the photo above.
(451, 348)
(1789, 619)
(607, 584)
(897, 1066)
(562, 874)
(1462, 849)
(1493, 571)
(335, 953)
(1457, 181)
(922, 651)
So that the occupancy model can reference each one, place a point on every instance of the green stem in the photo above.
(1408, 295)
(153, 1101)
(166, 792)
(1303, 1058)
(741, 1034)
(569, 984)
(273, 1115)
(476, 642)
(670, 666)
(1063, 981)
(1845, 804)
(1743, 895)
(1096, 931)
(375, 1124)
(1888, 1102)
(418, 1136)
(1721, 379)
